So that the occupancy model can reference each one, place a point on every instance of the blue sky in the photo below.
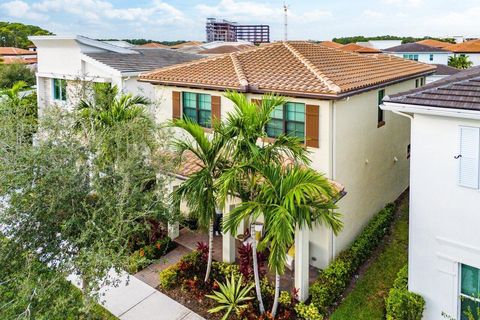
(308, 19)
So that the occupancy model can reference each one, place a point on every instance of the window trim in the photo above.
(285, 121)
(459, 288)
(63, 95)
(197, 107)
(431, 57)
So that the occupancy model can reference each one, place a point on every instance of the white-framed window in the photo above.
(469, 157)
(469, 298)
(413, 57)
(59, 89)
(431, 56)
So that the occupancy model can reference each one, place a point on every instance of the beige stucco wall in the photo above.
(365, 159)
(349, 127)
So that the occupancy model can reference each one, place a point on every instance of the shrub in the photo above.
(221, 271)
(168, 277)
(137, 261)
(246, 261)
(332, 281)
(309, 312)
(401, 303)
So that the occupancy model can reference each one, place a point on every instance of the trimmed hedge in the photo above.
(401, 303)
(332, 281)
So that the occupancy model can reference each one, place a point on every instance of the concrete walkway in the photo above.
(132, 299)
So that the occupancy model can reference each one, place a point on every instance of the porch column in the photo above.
(173, 227)
(302, 263)
(228, 241)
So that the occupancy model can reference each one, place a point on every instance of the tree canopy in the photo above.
(11, 73)
(15, 34)
(354, 39)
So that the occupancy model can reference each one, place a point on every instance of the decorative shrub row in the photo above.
(145, 255)
(332, 281)
(401, 303)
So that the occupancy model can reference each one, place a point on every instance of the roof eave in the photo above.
(430, 110)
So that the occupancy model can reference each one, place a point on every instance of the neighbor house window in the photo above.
(469, 292)
(60, 89)
(417, 83)
(197, 107)
(411, 57)
(422, 82)
(380, 112)
(409, 149)
(431, 57)
(287, 119)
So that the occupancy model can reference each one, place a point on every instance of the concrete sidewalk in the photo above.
(132, 299)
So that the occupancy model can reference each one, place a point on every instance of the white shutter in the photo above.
(468, 172)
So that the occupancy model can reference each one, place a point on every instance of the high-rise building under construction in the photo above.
(224, 30)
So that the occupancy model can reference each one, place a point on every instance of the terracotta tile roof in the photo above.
(190, 164)
(434, 43)
(12, 51)
(292, 69)
(186, 44)
(331, 44)
(353, 47)
(13, 60)
(472, 46)
(152, 45)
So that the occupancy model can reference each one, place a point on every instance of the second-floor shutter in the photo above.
(176, 105)
(469, 160)
(312, 126)
(216, 108)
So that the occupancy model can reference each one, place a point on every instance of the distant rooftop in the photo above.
(353, 47)
(459, 91)
(472, 46)
(434, 43)
(415, 47)
(143, 59)
(12, 51)
(151, 45)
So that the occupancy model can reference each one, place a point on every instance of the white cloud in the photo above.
(405, 3)
(240, 10)
(457, 22)
(372, 13)
(20, 9)
(313, 16)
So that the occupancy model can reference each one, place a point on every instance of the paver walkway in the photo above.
(132, 299)
(150, 275)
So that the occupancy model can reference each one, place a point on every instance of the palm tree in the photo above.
(243, 128)
(108, 107)
(460, 62)
(199, 191)
(289, 197)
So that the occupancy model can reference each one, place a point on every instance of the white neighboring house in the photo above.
(444, 249)
(65, 63)
(420, 52)
(470, 49)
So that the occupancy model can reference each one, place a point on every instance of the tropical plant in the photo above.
(290, 197)
(231, 297)
(245, 130)
(11, 73)
(460, 62)
(199, 191)
(108, 107)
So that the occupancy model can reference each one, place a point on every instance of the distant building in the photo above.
(228, 31)
(470, 49)
(380, 44)
(420, 52)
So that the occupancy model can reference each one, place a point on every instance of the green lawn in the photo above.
(367, 299)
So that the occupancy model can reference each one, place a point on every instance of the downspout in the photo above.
(333, 168)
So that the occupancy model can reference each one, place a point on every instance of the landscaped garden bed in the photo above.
(184, 282)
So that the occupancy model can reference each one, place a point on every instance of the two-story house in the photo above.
(334, 99)
(444, 250)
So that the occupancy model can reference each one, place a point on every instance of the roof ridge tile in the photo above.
(313, 69)
(242, 78)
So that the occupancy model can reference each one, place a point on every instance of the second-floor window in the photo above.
(288, 119)
(411, 57)
(380, 112)
(469, 292)
(197, 107)
(60, 89)
(431, 57)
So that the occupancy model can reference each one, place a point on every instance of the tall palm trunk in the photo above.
(210, 250)
(277, 293)
(255, 271)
